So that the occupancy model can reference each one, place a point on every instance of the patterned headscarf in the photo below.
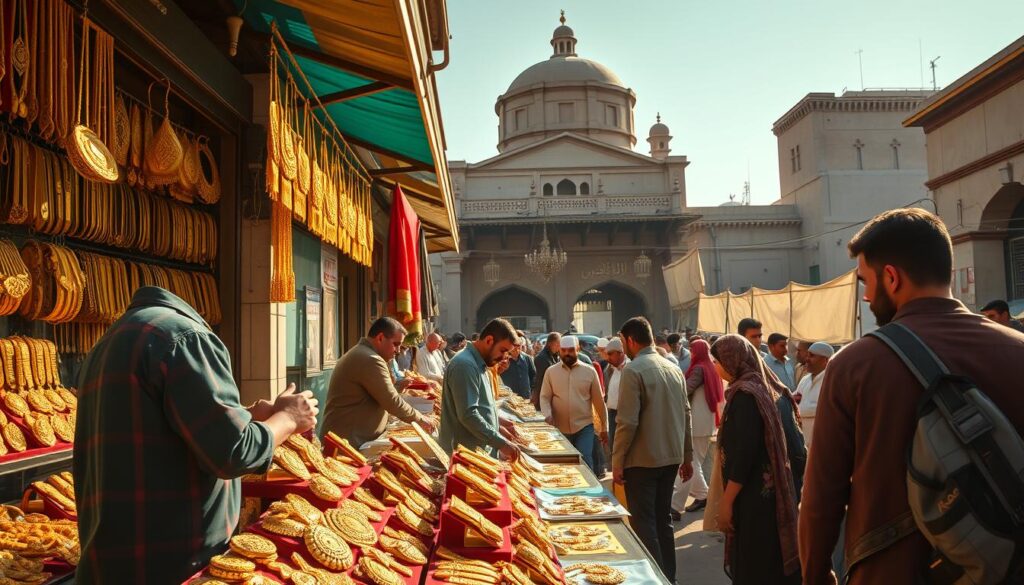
(750, 374)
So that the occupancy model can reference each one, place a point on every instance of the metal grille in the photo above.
(1017, 266)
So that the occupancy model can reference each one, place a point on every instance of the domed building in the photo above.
(567, 226)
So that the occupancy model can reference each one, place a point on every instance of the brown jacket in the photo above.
(362, 395)
(865, 422)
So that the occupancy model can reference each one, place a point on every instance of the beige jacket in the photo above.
(362, 395)
(652, 424)
(571, 396)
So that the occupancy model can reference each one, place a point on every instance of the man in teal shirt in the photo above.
(469, 414)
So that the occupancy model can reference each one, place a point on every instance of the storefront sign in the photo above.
(314, 363)
(329, 267)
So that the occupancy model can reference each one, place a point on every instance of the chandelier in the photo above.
(642, 266)
(545, 261)
(492, 272)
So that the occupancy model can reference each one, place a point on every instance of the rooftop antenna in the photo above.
(931, 64)
(920, 59)
(860, 63)
(746, 193)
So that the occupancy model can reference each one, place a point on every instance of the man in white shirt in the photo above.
(569, 396)
(612, 375)
(428, 359)
(809, 389)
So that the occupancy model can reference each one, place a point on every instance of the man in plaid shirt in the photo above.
(161, 442)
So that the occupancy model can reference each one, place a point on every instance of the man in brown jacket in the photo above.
(362, 394)
(866, 411)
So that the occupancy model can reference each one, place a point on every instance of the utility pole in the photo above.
(935, 86)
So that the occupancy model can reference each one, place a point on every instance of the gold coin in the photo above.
(14, 437)
(378, 573)
(324, 488)
(328, 548)
(291, 462)
(233, 564)
(363, 495)
(62, 428)
(283, 526)
(352, 527)
(54, 397)
(253, 546)
(310, 513)
(68, 397)
(43, 431)
(402, 549)
(37, 400)
(15, 404)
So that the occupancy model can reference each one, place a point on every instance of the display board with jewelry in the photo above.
(344, 524)
(312, 175)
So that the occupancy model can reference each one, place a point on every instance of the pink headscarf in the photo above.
(714, 392)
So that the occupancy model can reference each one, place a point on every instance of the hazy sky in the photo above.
(720, 73)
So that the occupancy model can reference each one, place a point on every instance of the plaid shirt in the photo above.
(160, 442)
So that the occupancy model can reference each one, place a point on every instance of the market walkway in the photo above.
(698, 554)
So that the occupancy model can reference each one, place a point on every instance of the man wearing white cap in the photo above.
(569, 396)
(612, 375)
(809, 389)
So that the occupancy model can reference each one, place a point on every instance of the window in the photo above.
(814, 274)
(859, 147)
(521, 119)
(548, 190)
(566, 113)
(611, 116)
(792, 160)
(895, 153)
(566, 187)
(798, 157)
(584, 188)
(661, 145)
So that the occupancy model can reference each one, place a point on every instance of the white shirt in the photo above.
(428, 364)
(809, 390)
(613, 385)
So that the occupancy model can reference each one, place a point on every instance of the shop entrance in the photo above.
(603, 309)
(524, 309)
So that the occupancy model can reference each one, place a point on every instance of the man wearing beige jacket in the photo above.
(362, 394)
(652, 441)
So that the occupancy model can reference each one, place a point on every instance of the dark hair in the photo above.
(747, 323)
(911, 239)
(775, 338)
(553, 337)
(475, 336)
(997, 305)
(660, 339)
(386, 325)
(674, 338)
(457, 337)
(639, 330)
(500, 330)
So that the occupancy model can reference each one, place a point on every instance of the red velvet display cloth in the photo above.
(35, 448)
(274, 490)
(403, 264)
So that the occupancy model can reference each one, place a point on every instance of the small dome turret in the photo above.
(563, 40)
(659, 138)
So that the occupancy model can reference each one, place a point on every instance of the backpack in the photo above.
(965, 477)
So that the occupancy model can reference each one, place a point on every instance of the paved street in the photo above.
(698, 553)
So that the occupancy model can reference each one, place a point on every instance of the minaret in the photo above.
(660, 140)
(563, 40)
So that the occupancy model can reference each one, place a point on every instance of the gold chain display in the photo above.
(85, 147)
(311, 170)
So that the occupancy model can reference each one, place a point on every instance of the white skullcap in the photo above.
(821, 348)
(614, 345)
(602, 343)
(568, 342)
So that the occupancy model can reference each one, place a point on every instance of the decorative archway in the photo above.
(524, 308)
(602, 309)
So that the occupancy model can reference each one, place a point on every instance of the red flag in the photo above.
(403, 264)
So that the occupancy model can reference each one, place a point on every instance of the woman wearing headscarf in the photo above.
(758, 509)
(705, 390)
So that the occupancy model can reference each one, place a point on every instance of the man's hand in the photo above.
(509, 452)
(427, 424)
(300, 408)
(403, 384)
(603, 437)
(617, 476)
(508, 426)
(686, 471)
(261, 410)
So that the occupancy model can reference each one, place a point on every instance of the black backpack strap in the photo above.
(967, 421)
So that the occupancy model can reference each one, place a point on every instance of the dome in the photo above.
(565, 69)
(563, 31)
(658, 129)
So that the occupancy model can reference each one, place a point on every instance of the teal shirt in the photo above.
(469, 415)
